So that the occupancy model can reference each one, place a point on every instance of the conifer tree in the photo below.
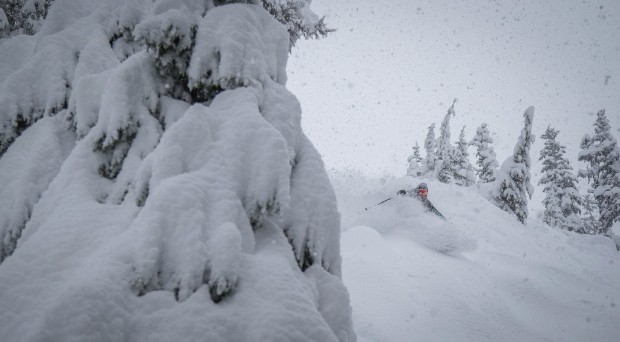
(169, 39)
(187, 56)
(22, 16)
(590, 219)
(514, 186)
(430, 146)
(463, 170)
(157, 140)
(562, 200)
(602, 154)
(414, 161)
(443, 169)
(485, 156)
(297, 19)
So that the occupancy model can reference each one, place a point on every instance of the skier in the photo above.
(421, 192)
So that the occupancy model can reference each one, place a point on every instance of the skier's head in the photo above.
(422, 190)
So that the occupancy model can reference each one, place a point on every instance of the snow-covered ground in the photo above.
(501, 281)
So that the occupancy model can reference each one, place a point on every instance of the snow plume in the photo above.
(140, 207)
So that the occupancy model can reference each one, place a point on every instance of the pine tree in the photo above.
(602, 154)
(22, 16)
(443, 168)
(430, 146)
(486, 159)
(171, 161)
(590, 219)
(562, 200)
(297, 19)
(414, 169)
(514, 186)
(169, 38)
(463, 170)
(186, 58)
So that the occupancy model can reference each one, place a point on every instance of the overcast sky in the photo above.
(370, 90)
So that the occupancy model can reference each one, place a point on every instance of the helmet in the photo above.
(422, 190)
(422, 186)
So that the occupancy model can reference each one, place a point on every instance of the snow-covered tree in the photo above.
(562, 200)
(151, 155)
(26, 16)
(4, 24)
(485, 156)
(430, 146)
(22, 16)
(514, 186)
(414, 162)
(602, 154)
(299, 21)
(443, 168)
(590, 216)
(463, 170)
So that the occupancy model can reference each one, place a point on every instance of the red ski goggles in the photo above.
(422, 192)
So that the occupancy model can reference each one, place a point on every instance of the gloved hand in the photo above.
(401, 193)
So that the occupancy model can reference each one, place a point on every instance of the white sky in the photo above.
(370, 90)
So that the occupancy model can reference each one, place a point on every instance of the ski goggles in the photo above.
(422, 192)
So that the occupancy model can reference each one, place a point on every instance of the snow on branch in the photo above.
(237, 46)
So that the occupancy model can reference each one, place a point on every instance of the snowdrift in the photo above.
(480, 276)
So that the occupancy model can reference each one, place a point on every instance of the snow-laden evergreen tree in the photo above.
(298, 20)
(602, 154)
(513, 185)
(463, 170)
(486, 160)
(22, 16)
(590, 216)
(414, 162)
(5, 27)
(26, 16)
(444, 167)
(154, 161)
(562, 200)
(430, 146)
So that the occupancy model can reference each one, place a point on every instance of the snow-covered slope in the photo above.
(480, 276)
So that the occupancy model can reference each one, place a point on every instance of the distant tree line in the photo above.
(594, 212)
